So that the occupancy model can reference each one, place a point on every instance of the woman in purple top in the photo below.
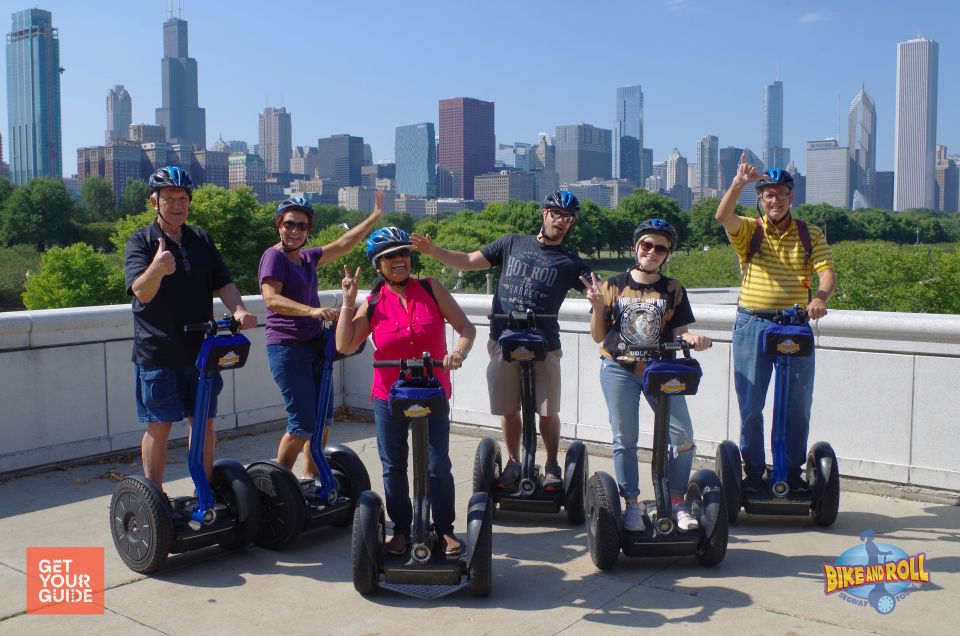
(288, 282)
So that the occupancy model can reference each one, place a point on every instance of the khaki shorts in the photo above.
(503, 382)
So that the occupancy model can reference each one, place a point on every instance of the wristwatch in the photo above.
(463, 354)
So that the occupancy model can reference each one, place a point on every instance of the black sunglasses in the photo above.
(404, 253)
(646, 246)
(303, 226)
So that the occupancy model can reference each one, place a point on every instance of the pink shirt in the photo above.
(401, 333)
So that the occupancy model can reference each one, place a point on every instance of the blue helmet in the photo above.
(171, 177)
(656, 226)
(775, 176)
(296, 203)
(384, 240)
(562, 200)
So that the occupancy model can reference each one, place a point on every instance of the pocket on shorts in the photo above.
(158, 387)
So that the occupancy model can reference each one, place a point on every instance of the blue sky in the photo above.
(366, 67)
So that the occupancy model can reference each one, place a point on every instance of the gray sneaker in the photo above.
(633, 517)
(685, 520)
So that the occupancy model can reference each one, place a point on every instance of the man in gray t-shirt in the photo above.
(536, 273)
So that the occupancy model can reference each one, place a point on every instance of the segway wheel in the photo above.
(141, 526)
(882, 601)
(575, 482)
(728, 467)
(369, 535)
(233, 484)
(602, 512)
(481, 560)
(707, 501)
(487, 464)
(282, 511)
(823, 471)
(352, 477)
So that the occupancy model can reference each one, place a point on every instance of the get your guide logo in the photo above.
(876, 574)
(64, 580)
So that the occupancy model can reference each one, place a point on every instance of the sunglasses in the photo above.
(646, 246)
(560, 216)
(183, 257)
(303, 226)
(404, 253)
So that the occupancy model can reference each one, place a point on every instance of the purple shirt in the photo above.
(298, 283)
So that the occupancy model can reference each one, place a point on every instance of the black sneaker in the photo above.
(509, 476)
(797, 484)
(753, 484)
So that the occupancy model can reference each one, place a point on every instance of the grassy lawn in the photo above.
(607, 267)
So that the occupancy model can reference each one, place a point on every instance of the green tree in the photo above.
(835, 222)
(643, 204)
(39, 213)
(6, 189)
(704, 227)
(401, 220)
(75, 276)
(706, 268)
(98, 200)
(15, 263)
(134, 197)
(329, 276)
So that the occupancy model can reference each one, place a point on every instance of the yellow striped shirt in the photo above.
(776, 278)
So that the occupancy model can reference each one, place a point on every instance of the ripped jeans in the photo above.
(622, 389)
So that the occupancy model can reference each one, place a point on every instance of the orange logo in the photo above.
(65, 580)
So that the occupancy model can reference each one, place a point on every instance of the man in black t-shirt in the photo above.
(536, 273)
(172, 271)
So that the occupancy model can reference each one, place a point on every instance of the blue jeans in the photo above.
(622, 389)
(167, 394)
(392, 436)
(293, 366)
(752, 370)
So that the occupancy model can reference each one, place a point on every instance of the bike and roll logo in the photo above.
(874, 574)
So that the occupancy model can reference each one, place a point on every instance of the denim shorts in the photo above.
(166, 394)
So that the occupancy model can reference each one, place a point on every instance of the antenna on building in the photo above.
(839, 111)
(170, 10)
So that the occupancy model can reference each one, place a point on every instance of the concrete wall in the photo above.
(883, 389)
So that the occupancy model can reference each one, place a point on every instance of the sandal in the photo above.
(452, 550)
(509, 475)
(398, 545)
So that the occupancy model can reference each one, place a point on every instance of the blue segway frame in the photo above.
(217, 353)
(326, 489)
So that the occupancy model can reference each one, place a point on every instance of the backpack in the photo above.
(375, 292)
(756, 247)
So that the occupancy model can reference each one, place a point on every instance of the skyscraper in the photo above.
(774, 154)
(119, 113)
(415, 149)
(583, 152)
(708, 162)
(340, 157)
(467, 142)
(862, 141)
(676, 182)
(628, 135)
(184, 121)
(828, 173)
(916, 135)
(729, 158)
(33, 97)
(276, 139)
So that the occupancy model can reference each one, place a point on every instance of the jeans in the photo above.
(752, 370)
(392, 445)
(293, 368)
(167, 394)
(622, 389)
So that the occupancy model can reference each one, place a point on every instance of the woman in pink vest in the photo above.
(406, 317)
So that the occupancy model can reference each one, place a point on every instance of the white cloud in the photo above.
(809, 18)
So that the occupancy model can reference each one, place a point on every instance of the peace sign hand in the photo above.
(593, 291)
(349, 286)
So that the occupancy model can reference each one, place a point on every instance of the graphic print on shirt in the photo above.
(640, 321)
(526, 279)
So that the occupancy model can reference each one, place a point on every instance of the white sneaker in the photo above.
(633, 517)
(685, 520)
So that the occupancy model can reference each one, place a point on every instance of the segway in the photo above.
(523, 343)
(606, 536)
(290, 505)
(426, 571)
(146, 525)
(788, 336)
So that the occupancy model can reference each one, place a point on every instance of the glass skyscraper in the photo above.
(862, 141)
(119, 114)
(774, 154)
(33, 97)
(184, 121)
(627, 135)
(276, 139)
(916, 136)
(708, 161)
(415, 149)
(467, 140)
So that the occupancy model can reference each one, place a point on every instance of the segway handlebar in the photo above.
(211, 327)
(522, 319)
(411, 363)
(795, 316)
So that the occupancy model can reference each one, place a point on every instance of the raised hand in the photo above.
(163, 260)
(349, 286)
(423, 243)
(746, 173)
(377, 203)
(593, 291)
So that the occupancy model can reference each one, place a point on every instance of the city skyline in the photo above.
(393, 79)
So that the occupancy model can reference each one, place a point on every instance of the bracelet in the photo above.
(350, 308)
(463, 354)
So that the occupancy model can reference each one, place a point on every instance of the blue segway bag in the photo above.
(222, 353)
(416, 397)
(788, 340)
(517, 346)
(672, 377)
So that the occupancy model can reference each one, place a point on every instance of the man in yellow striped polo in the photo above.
(778, 269)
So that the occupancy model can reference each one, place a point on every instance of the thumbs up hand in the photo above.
(163, 260)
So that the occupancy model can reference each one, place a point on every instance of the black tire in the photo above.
(729, 468)
(352, 477)
(603, 525)
(233, 485)
(705, 496)
(575, 483)
(140, 525)
(823, 475)
(487, 464)
(282, 510)
(481, 561)
(369, 535)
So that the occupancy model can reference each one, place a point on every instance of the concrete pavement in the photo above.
(771, 581)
